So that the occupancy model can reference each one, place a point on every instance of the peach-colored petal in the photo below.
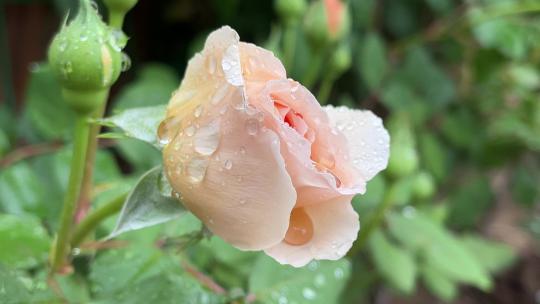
(369, 142)
(335, 227)
(219, 148)
(320, 170)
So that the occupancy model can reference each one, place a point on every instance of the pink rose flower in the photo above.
(260, 162)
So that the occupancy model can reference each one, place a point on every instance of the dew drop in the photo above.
(228, 164)
(84, 37)
(320, 280)
(62, 46)
(338, 273)
(252, 126)
(242, 150)
(67, 68)
(309, 293)
(190, 131)
(242, 202)
(196, 169)
(220, 94)
(166, 129)
(300, 228)
(126, 62)
(198, 111)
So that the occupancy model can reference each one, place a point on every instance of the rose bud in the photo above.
(86, 57)
(260, 162)
(326, 22)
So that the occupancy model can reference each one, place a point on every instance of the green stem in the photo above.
(82, 130)
(116, 20)
(310, 77)
(91, 149)
(90, 222)
(326, 87)
(371, 225)
(289, 45)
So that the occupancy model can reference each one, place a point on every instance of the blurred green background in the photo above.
(455, 217)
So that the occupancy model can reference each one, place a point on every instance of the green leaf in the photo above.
(373, 60)
(463, 213)
(24, 241)
(493, 256)
(438, 284)
(21, 190)
(318, 282)
(139, 123)
(142, 273)
(439, 248)
(422, 72)
(148, 204)
(434, 155)
(153, 86)
(394, 263)
(12, 289)
(45, 107)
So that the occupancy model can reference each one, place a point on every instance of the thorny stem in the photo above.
(80, 142)
(86, 188)
(90, 222)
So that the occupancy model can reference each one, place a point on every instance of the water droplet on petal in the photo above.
(190, 130)
(228, 164)
(196, 169)
(300, 228)
(242, 150)
(252, 126)
(207, 139)
(198, 111)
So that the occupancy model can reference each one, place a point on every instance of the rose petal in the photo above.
(329, 147)
(216, 158)
(369, 142)
(335, 227)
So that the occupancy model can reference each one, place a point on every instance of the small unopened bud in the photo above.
(290, 10)
(341, 58)
(326, 22)
(86, 57)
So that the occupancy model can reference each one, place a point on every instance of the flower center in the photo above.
(300, 228)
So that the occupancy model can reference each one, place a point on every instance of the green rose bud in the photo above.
(326, 22)
(86, 57)
(290, 10)
(341, 58)
(403, 155)
(423, 185)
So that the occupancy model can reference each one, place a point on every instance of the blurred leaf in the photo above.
(524, 184)
(493, 256)
(434, 156)
(139, 154)
(469, 203)
(153, 86)
(503, 34)
(139, 123)
(440, 6)
(375, 190)
(373, 60)
(21, 190)
(318, 282)
(438, 284)
(363, 12)
(12, 289)
(24, 241)
(147, 205)
(399, 97)
(422, 72)
(138, 274)
(45, 107)
(395, 264)
(440, 249)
